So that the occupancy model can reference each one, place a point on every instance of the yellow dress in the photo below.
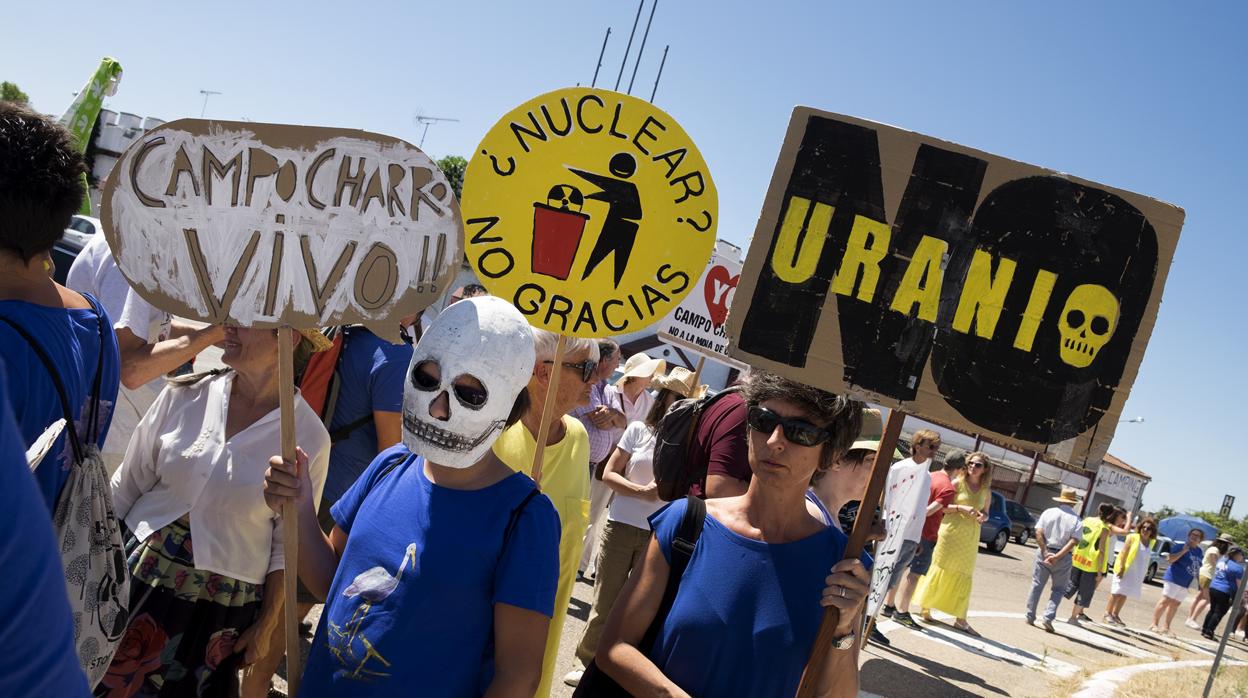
(947, 585)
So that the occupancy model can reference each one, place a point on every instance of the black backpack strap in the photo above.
(345, 430)
(683, 545)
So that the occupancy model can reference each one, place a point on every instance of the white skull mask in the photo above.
(485, 338)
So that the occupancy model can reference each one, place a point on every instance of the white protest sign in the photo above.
(905, 497)
(264, 225)
(698, 321)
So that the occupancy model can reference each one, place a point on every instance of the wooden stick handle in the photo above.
(290, 544)
(853, 549)
(697, 372)
(548, 411)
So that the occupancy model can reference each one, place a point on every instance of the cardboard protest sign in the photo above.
(993, 296)
(698, 322)
(590, 210)
(264, 225)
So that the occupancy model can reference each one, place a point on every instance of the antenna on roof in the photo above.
(428, 121)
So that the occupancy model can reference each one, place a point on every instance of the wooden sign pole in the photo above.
(548, 409)
(853, 549)
(290, 544)
(697, 372)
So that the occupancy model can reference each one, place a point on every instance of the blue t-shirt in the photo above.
(71, 338)
(35, 626)
(1184, 569)
(1226, 579)
(747, 612)
(411, 607)
(372, 373)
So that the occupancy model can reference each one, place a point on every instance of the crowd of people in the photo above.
(440, 562)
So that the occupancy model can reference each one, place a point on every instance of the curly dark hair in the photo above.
(840, 415)
(40, 180)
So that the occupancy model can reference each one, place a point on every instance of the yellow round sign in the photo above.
(590, 210)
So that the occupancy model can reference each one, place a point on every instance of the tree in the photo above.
(1237, 529)
(453, 167)
(1165, 512)
(10, 92)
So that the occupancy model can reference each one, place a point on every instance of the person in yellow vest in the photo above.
(565, 469)
(1090, 558)
(1129, 569)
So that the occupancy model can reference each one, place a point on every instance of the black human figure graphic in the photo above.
(619, 229)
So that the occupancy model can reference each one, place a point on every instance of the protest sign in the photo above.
(905, 497)
(267, 226)
(697, 322)
(997, 297)
(263, 225)
(590, 210)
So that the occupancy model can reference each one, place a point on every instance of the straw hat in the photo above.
(1068, 496)
(316, 339)
(679, 381)
(1226, 538)
(640, 365)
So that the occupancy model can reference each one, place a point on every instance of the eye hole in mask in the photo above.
(421, 377)
(470, 396)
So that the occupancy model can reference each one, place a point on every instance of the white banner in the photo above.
(698, 322)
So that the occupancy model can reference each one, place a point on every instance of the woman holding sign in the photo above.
(947, 585)
(767, 560)
(194, 470)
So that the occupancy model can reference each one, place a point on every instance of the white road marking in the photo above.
(1105, 684)
(946, 635)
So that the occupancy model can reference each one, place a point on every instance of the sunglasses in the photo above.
(586, 367)
(799, 431)
(975, 465)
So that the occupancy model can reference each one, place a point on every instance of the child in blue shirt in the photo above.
(439, 576)
(1222, 590)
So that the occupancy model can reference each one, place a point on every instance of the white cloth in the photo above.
(638, 441)
(1173, 591)
(1060, 524)
(1131, 584)
(179, 461)
(906, 493)
(95, 272)
(634, 411)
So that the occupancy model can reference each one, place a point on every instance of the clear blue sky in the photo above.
(1149, 97)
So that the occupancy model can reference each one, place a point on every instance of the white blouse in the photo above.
(179, 461)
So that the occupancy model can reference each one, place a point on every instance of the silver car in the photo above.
(1158, 563)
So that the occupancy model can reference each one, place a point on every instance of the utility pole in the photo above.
(428, 121)
(656, 77)
(628, 49)
(642, 50)
(600, 55)
(206, 94)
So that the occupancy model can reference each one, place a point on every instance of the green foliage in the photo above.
(1165, 512)
(9, 92)
(453, 167)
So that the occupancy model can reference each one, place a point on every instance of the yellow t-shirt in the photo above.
(565, 480)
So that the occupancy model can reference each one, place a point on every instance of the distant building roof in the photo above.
(1119, 463)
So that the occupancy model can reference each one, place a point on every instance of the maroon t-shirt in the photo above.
(720, 444)
(943, 492)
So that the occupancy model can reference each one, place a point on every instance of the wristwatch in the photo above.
(844, 642)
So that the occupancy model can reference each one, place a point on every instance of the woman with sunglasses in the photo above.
(947, 584)
(747, 609)
(1129, 569)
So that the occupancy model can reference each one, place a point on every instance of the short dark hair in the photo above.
(1105, 510)
(840, 415)
(956, 460)
(40, 181)
(474, 290)
(606, 349)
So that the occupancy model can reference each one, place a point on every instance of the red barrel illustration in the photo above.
(557, 235)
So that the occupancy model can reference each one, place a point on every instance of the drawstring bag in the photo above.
(86, 527)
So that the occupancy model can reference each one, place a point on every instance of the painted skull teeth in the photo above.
(444, 439)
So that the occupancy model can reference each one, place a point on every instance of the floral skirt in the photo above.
(183, 623)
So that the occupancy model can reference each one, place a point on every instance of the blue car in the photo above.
(995, 532)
